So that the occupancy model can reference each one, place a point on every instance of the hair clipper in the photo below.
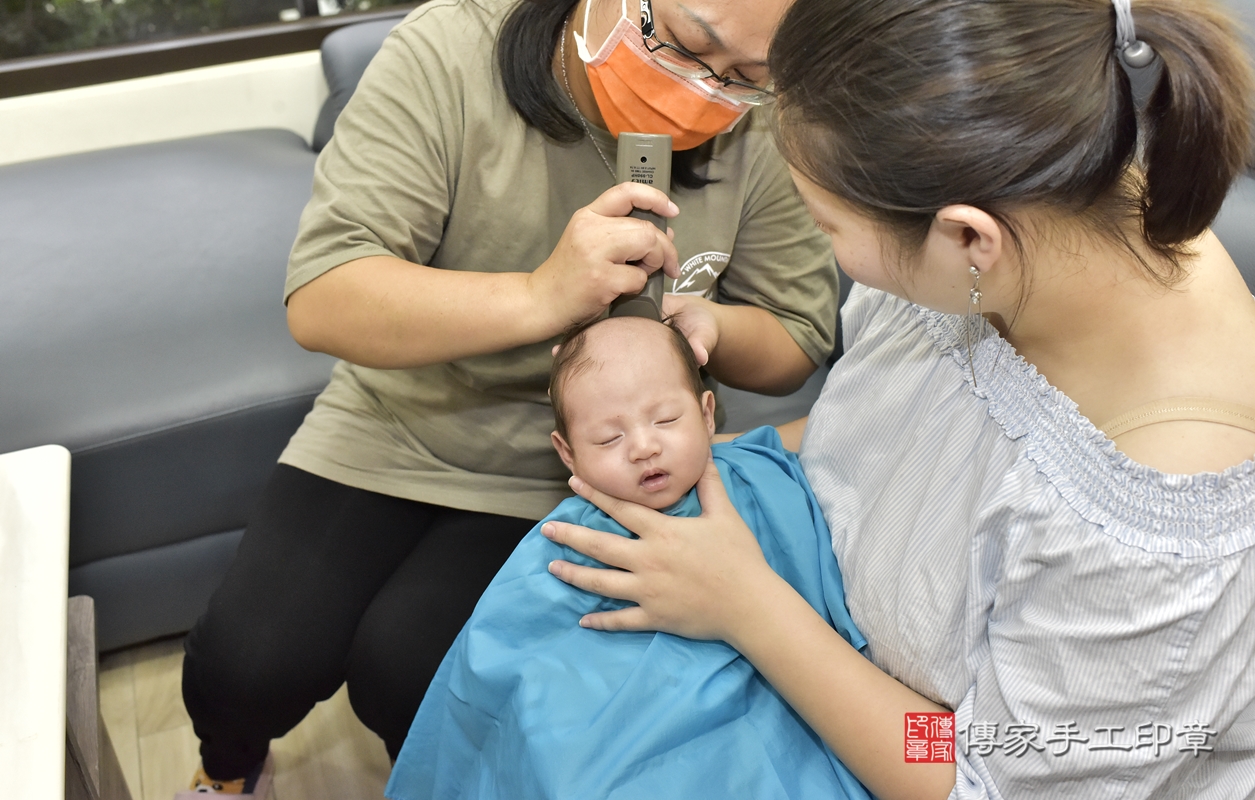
(644, 158)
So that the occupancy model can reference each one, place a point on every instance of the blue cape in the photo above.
(527, 704)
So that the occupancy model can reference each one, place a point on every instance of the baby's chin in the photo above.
(658, 501)
(662, 501)
(664, 497)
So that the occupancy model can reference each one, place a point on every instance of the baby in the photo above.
(529, 704)
(633, 417)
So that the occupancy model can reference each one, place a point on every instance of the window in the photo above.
(58, 44)
(39, 27)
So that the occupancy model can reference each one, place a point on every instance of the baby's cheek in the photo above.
(609, 476)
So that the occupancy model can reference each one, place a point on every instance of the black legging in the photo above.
(332, 584)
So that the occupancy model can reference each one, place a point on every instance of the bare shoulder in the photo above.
(1212, 426)
(1188, 447)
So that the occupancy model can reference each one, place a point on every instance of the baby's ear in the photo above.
(708, 410)
(564, 450)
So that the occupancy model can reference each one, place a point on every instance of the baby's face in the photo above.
(635, 429)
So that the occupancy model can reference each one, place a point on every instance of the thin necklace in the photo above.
(571, 96)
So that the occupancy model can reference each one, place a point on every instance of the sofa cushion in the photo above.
(171, 485)
(156, 592)
(345, 54)
(142, 326)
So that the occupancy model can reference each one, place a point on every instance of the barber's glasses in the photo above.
(676, 59)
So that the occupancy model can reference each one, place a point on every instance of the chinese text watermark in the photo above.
(932, 738)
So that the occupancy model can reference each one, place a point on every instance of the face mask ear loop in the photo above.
(581, 41)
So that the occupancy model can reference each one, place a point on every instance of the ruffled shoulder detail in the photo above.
(1207, 515)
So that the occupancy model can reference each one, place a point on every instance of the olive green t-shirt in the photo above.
(429, 163)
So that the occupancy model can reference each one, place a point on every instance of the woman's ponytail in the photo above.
(1198, 118)
(902, 108)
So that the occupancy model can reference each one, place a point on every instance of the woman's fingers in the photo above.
(712, 494)
(633, 618)
(618, 201)
(608, 548)
(615, 240)
(636, 518)
(687, 575)
(638, 242)
(695, 318)
(627, 279)
(605, 582)
(655, 251)
(602, 254)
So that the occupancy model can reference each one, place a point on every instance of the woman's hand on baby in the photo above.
(602, 254)
(696, 318)
(687, 576)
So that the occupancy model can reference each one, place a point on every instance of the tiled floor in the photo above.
(330, 755)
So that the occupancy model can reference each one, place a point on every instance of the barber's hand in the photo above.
(590, 266)
(696, 318)
(688, 576)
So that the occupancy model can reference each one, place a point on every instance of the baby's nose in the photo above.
(645, 444)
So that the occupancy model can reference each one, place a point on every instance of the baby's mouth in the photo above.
(653, 479)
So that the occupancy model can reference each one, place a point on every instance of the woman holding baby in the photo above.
(1035, 457)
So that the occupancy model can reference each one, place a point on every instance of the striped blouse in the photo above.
(1090, 620)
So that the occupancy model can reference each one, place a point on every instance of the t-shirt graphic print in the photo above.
(699, 275)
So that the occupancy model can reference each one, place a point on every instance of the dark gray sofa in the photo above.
(141, 326)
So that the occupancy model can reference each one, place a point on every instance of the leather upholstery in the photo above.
(142, 326)
(345, 54)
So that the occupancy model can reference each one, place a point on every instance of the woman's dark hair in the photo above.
(902, 107)
(525, 47)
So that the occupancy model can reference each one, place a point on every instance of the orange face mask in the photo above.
(636, 94)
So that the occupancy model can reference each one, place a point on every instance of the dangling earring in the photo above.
(972, 319)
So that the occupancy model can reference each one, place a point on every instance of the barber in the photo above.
(464, 215)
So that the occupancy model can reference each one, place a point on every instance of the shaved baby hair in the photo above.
(571, 360)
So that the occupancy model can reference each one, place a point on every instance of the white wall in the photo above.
(277, 92)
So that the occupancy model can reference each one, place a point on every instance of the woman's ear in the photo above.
(708, 410)
(972, 234)
(564, 450)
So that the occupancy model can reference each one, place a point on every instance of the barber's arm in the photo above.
(752, 350)
(777, 308)
(790, 434)
(388, 313)
(383, 191)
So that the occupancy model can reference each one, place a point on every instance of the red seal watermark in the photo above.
(930, 738)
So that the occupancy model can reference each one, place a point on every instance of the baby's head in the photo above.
(632, 415)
